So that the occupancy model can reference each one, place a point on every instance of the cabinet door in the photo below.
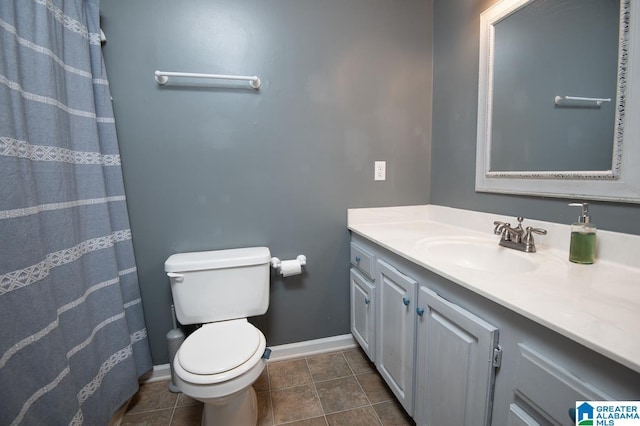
(395, 332)
(363, 312)
(454, 364)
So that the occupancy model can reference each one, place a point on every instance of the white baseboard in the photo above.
(278, 353)
(312, 347)
(159, 373)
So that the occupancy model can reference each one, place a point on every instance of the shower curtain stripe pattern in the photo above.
(69, 22)
(52, 101)
(42, 391)
(23, 149)
(33, 338)
(73, 341)
(23, 277)
(39, 49)
(27, 211)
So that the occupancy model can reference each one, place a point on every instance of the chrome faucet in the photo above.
(517, 238)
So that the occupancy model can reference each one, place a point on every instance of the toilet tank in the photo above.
(209, 286)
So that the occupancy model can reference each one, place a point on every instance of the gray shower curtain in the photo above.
(73, 340)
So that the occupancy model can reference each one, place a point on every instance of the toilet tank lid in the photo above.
(217, 259)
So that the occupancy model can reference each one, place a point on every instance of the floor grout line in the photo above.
(362, 389)
(306, 361)
(273, 414)
(173, 412)
(149, 411)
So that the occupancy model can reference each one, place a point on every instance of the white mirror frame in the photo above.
(622, 182)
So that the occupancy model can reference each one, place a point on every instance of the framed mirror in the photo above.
(557, 99)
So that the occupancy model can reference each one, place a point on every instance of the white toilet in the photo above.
(218, 363)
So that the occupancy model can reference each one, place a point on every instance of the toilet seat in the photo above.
(219, 351)
(218, 347)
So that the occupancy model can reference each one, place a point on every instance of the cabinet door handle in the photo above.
(357, 259)
(420, 311)
(366, 301)
(405, 301)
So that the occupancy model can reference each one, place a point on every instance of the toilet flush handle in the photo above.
(177, 277)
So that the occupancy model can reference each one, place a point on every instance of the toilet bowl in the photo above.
(218, 363)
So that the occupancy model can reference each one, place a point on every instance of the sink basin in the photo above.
(478, 254)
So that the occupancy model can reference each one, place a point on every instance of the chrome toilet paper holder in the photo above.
(276, 263)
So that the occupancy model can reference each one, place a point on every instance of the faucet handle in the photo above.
(499, 226)
(538, 231)
(530, 246)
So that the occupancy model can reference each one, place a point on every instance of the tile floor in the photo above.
(338, 388)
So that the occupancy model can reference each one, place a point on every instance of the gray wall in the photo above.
(212, 166)
(453, 151)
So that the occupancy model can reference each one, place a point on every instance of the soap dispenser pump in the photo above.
(583, 237)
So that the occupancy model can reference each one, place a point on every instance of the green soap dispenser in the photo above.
(583, 237)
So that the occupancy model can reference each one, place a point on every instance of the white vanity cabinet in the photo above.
(456, 360)
(454, 357)
(435, 356)
(395, 325)
(567, 332)
(363, 299)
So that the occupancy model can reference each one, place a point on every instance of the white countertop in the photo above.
(595, 305)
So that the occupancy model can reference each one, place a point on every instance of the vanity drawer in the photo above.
(363, 260)
(549, 389)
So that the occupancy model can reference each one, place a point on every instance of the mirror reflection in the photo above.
(557, 81)
(549, 50)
